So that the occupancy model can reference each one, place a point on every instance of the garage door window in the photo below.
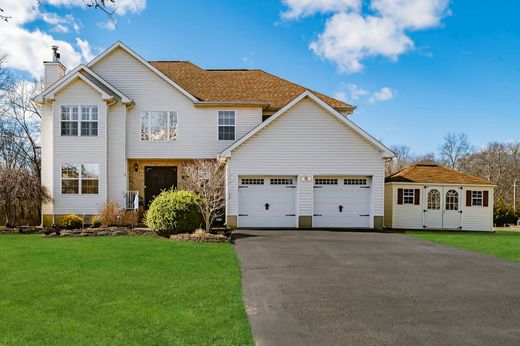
(281, 181)
(355, 181)
(326, 181)
(252, 181)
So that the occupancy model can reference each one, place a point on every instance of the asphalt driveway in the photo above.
(349, 288)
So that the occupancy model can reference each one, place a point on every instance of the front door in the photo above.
(157, 179)
(433, 207)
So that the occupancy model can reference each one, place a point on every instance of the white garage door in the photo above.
(342, 202)
(267, 202)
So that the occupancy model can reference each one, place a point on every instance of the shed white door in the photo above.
(267, 202)
(342, 202)
(452, 208)
(433, 207)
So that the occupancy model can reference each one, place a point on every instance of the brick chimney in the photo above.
(54, 69)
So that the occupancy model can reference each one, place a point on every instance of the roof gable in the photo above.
(125, 48)
(432, 173)
(385, 152)
(107, 91)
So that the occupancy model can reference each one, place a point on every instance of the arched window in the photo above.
(434, 199)
(452, 200)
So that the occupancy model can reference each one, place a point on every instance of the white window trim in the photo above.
(481, 198)
(80, 179)
(234, 126)
(167, 125)
(79, 121)
(412, 196)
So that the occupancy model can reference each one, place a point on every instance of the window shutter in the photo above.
(468, 198)
(399, 196)
(486, 199)
(417, 196)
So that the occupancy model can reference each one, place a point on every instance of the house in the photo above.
(120, 127)
(428, 196)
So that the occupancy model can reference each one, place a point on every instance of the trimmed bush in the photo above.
(174, 212)
(504, 214)
(71, 221)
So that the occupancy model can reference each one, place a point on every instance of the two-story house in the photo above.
(120, 127)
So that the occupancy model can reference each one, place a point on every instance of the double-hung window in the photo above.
(77, 178)
(226, 125)
(408, 196)
(159, 126)
(79, 120)
(476, 198)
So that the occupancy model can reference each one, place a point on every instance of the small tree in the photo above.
(206, 179)
(20, 194)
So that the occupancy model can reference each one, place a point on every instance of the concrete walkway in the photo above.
(349, 288)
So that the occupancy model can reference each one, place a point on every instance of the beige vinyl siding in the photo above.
(117, 169)
(407, 216)
(477, 218)
(75, 149)
(307, 141)
(197, 127)
(47, 154)
(388, 207)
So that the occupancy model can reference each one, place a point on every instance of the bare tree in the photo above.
(454, 149)
(20, 120)
(206, 178)
(403, 157)
(21, 194)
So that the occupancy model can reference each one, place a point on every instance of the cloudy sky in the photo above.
(416, 69)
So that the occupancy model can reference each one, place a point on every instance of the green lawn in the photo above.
(505, 245)
(119, 291)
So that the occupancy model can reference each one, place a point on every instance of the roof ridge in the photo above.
(466, 174)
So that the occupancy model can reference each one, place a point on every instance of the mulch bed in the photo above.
(200, 237)
(98, 232)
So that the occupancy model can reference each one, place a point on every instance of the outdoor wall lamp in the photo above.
(305, 179)
(136, 167)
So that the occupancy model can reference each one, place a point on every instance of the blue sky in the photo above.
(462, 73)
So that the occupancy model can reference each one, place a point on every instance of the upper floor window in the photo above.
(79, 178)
(226, 125)
(79, 120)
(159, 126)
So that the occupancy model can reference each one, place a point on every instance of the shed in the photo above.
(429, 196)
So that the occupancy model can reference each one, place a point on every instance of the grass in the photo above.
(119, 291)
(500, 244)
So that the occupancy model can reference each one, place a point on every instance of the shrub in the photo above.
(71, 221)
(504, 214)
(96, 222)
(110, 214)
(174, 212)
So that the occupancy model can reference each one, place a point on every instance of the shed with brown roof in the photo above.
(430, 196)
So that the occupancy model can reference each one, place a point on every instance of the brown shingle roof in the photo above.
(431, 173)
(254, 86)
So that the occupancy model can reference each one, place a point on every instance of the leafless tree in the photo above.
(21, 194)
(454, 149)
(206, 178)
(403, 157)
(20, 120)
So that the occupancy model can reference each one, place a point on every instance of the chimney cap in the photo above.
(55, 54)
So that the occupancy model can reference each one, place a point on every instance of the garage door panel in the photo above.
(342, 202)
(267, 202)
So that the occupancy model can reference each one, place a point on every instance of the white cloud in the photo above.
(383, 94)
(108, 25)
(351, 35)
(84, 47)
(351, 92)
(27, 49)
(301, 8)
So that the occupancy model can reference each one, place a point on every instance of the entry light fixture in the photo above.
(136, 167)
(305, 179)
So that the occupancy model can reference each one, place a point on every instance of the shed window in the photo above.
(476, 198)
(226, 125)
(434, 200)
(408, 196)
(452, 200)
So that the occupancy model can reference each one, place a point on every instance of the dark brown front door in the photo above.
(157, 179)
